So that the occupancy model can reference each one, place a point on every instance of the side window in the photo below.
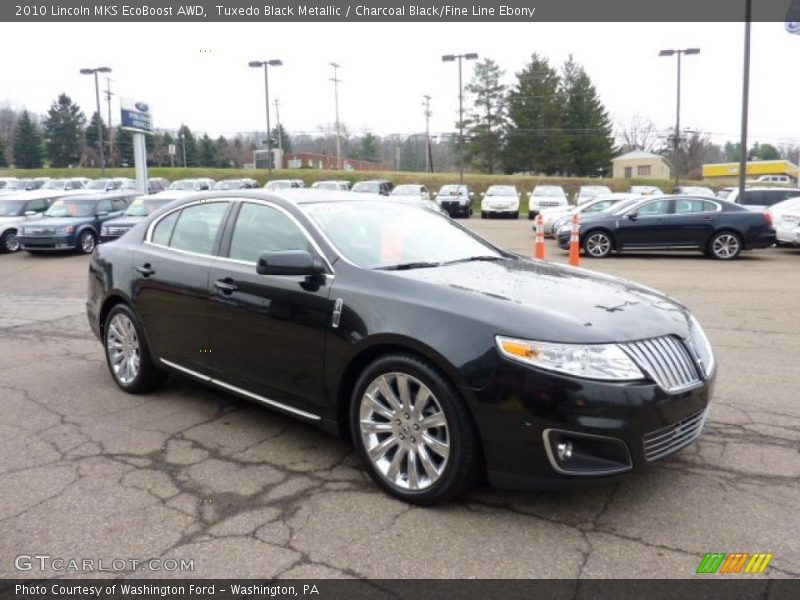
(709, 207)
(36, 205)
(197, 227)
(656, 208)
(753, 198)
(684, 207)
(259, 228)
(163, 231)
(104, 206)
(119, 204)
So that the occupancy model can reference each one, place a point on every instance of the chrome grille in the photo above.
(672, 438)
(39, 231)
(117, 230)
(665, 359)
(549, 203)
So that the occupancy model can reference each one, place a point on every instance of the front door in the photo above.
(268, 332)
(648, 225)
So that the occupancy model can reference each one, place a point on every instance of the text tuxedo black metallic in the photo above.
(443, 357)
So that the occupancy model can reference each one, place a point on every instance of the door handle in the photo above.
(146, 270)
(707, 219)
(226, 286)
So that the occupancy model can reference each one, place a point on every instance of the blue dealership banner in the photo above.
(135, 115)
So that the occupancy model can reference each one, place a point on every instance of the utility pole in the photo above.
(677, 140)
(278, 126)
(459, 58)
(428, 156)
(336, 81)
(108, 95)
(748, 15)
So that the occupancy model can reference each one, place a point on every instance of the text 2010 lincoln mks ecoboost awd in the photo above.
(442, 357)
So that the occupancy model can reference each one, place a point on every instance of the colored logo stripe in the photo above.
(734, 562)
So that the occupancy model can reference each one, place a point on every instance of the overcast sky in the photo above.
(197, 73)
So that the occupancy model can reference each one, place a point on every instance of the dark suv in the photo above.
(73, 222)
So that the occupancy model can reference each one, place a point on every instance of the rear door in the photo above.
(694, 221)
(171, 286)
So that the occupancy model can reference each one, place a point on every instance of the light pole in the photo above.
(459, 57)
(266, 64)
(278, 126)
(182, 138)
(428, 157)
(679, 53)
(336, 81)
(94, 72)
(745, 99)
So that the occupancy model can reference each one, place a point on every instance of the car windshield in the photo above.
(367, 187)
(98, 184)
(548, 190)
(142, 208)
(11, 208)
(594, 190)
(452, 190)
(326, 185)
(71, 208)
(231, 184)
(380, 235)
(406, 190)
(622, 205)
(501, 190)
(187, 185)
(279, 185)
(55, 184)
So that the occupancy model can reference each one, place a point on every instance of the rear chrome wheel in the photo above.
(404, 431)
(413, 430)
(725, 246)
(86, 242)
(597, 245)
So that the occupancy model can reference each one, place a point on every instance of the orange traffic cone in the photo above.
(575, 243)
(538, 251)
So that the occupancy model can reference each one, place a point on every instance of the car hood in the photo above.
(549, 302)
(61, 221)
(123, 222)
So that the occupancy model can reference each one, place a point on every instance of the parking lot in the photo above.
(88, 472)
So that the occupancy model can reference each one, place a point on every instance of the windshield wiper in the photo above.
(408, 265)
(474, 259)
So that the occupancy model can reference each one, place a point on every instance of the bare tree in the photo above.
(638, 133)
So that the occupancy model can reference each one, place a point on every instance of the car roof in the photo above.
(102, 195)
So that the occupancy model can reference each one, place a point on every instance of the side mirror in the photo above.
(633, 216)
(289, 262)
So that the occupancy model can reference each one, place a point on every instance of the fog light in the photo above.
(564, 450)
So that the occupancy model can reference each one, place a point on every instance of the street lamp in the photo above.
(451, 58)
(267, 64)
(336, 82)
(686, 51)
(94, 72)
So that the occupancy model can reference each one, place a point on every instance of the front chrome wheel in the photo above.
(10, 241)
(87, 242)
(404, 431)
(598, 245)
(726, 246)
(122, 346)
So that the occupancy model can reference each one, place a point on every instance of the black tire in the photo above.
(459, 471)
(9, 242)
(466, 212)
(725, 245)
(87, 241)
(531, 215)
(484, 214)
(597, 244)
(148, 376)
(515, 215)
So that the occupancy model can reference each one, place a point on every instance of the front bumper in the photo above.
(44, 243)
(454, 206)
(499, 208)
(521, 404)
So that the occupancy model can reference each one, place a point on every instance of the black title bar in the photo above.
(599, 11)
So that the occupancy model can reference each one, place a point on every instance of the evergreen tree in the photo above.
(63, 130)
(3, 160)
(280, 133)
(208, 152)
(369, 148)
(28, 153)
(487, 118)
(92, 136)
(412, 154)
(534, 142)
(186, 139)
(585, 123)
(124, 147)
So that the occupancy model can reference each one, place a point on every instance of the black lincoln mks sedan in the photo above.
(442, 357)
(717, 228)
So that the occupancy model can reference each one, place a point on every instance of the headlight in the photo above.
(564, 229)
(591, 361)
(66, 230)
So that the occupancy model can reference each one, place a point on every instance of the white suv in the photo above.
(761, 198)
(546, 196)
